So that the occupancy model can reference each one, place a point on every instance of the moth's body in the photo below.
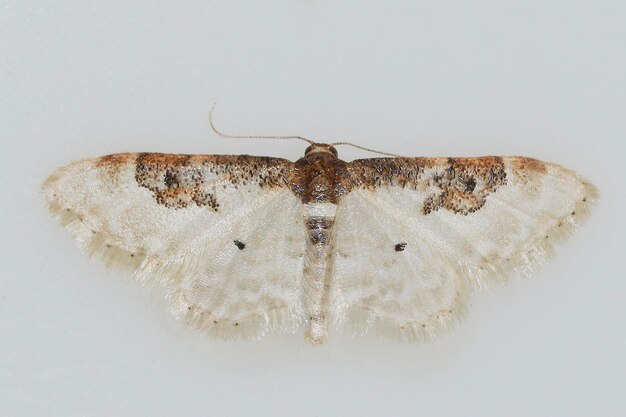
(320, 174)
(248, 245)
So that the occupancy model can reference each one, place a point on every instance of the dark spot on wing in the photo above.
(240, 245)
(170, 179)
(400, 246)
(470, 184)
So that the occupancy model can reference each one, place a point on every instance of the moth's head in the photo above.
(321, 148)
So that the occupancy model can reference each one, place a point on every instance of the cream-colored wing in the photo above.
(415, 236)
(224, 233)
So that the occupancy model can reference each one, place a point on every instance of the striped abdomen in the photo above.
(319, 219)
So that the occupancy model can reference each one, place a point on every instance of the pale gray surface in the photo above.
(80, 79)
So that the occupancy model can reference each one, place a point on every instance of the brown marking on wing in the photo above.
(178, 181)
(456, 201)
(115, 160)
(460, 184)
(527, 164)
(525, 170)
(467, 182)
(375, 172)
(111, 166)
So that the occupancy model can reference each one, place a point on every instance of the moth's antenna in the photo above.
(309, 141)
(224, 135)
(364, 148)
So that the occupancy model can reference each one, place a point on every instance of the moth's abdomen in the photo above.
(318, 229)
(319, 220)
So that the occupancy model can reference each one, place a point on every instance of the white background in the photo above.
(80, 79)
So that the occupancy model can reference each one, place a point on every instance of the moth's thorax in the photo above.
(319, 176)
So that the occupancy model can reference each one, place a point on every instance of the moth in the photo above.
(249, 245)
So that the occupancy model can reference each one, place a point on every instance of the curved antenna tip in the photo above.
(228, 136)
